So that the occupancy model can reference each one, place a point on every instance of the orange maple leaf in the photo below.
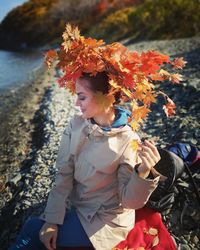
(156, 77)
(93, 42)
(149, 98)
(176, 78)
(50, 56)
(169, 108)
(178, 63)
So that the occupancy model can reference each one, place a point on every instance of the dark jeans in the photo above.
(70, 234)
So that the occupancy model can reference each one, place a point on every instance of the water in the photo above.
(16, 68)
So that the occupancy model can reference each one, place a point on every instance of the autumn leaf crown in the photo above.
(129, 72)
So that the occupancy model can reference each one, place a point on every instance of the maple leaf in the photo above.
(104, 101)
(175, 78)
(127, 92)
(50, 56)
(135, 145)
(114, 84)
(134, 125)
(155, 56)
(151, 61)
(169, 108)
(156, 77)
(67, 45)
(178, 63)
(149, 98)
(140, 113)
(71, 32)
(165, 74)
(93, 42)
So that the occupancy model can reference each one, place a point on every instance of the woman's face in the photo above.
(86, 99)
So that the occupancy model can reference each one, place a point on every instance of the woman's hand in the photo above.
(149, 156)
(48, 235)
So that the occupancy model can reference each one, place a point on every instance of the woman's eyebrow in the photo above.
(80, 93)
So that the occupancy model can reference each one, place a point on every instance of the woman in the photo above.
(101, 180)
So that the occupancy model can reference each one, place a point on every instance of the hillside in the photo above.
(41, 22)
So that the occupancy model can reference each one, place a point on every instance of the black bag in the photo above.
(171, 166)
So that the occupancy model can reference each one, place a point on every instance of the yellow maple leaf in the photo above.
(134, 125)
(135, 145)
(105, 101)
(127, 92)
(140, 112)
(114, 84)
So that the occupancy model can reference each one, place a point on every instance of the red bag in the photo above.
(149, 233)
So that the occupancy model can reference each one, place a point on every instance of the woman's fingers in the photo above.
(144, 168)
(151, 145)
(149, 156)
(48, 235)
(54, 240)
(151, 149)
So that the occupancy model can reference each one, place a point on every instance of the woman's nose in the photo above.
(77, 102)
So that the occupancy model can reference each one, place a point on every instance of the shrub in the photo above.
(166, 19)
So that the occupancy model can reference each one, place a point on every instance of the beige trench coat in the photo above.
(95, 173)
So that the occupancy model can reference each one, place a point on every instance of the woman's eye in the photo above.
(81, 98)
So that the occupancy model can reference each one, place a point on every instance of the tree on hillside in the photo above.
(72, 9)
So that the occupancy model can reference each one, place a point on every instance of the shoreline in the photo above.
(18, 124)
(27, 189)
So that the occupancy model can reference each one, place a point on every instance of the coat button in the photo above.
(89, 217)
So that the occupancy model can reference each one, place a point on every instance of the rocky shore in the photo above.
(25, 190)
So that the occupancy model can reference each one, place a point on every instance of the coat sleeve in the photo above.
(58, 196)
(134, 191)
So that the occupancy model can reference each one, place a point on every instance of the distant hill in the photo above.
(7, 6)
(41, 22)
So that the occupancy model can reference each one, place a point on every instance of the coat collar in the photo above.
(96, 130)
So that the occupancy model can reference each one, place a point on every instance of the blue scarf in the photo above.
(121, 118)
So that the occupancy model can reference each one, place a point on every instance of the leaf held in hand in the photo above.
(135, 145)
